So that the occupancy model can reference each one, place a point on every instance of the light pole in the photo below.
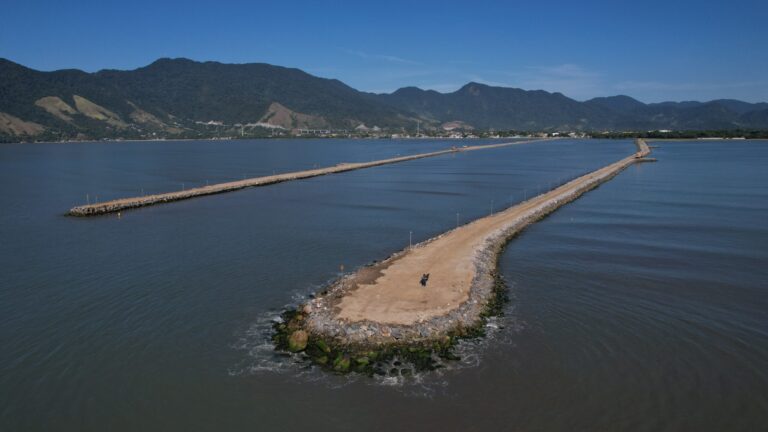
(410, 239)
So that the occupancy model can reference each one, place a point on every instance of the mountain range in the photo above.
(185, 98)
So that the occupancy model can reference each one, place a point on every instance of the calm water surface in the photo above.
(641, 306)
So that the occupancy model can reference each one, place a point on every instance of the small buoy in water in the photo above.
(119, 215)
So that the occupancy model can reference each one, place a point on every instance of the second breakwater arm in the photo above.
(143, 201)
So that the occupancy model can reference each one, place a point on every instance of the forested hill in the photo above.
(185, 98)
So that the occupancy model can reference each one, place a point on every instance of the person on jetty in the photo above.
(424, 279)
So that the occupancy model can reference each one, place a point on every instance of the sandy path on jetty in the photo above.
(396, 296)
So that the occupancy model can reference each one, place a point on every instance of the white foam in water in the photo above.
(260, 351)
(261, 356)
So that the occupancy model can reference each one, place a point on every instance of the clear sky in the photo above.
(651, 50)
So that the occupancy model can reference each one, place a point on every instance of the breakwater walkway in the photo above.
(385, 304)
(147, 200)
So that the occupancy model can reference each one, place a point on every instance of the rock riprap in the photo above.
(384, 309)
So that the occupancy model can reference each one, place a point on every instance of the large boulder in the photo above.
(341, 364)
(297, 341)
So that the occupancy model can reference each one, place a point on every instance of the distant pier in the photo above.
(143, 201)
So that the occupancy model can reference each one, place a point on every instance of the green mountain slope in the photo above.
(487, 107)
(185, 98)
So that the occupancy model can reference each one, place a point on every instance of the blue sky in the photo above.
(651, 50)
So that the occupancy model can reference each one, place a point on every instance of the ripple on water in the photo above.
(260, 356)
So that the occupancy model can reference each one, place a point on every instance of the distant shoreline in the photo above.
(422, 138)
(425, 138)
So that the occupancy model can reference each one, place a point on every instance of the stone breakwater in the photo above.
(147, 200)
(382, 305)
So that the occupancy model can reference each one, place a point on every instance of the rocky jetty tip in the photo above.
(388, 309)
